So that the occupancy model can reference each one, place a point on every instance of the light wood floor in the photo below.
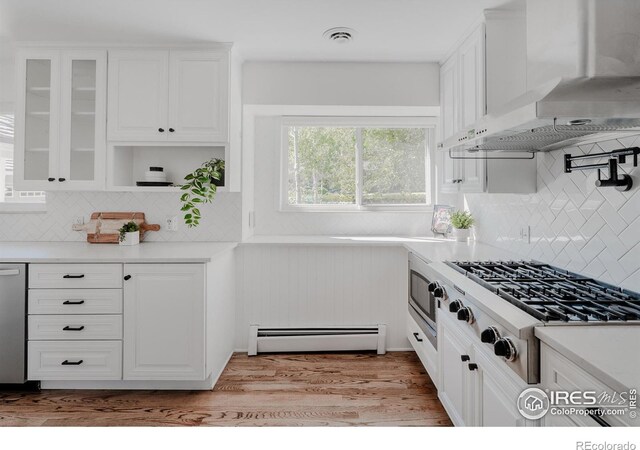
(266, 390)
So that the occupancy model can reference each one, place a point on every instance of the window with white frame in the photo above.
(10, 199)
(347, 163)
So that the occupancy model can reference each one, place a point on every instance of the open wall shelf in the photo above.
(127, 163)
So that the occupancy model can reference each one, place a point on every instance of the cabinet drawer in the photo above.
(75, 360)
(75, 327)
(75, 276)
(424, 349)
(75, 301)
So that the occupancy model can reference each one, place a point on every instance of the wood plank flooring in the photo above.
(336, 389)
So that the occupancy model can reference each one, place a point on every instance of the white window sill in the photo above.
(21, 208)
(351, 209)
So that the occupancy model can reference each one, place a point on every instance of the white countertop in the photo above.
(79, 252)
(607, 352)
(429, 248)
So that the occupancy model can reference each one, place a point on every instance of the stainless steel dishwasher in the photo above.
(13, 305)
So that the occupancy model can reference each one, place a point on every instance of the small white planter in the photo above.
(461, 235)
(131, 238)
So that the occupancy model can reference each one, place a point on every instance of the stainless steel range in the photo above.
(503, 302)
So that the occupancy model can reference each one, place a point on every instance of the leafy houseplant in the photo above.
(201, 187)
(462, 221)
(129, 234)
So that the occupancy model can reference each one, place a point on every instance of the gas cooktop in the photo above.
(552, 294)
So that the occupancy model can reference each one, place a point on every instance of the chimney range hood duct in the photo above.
(583, 57)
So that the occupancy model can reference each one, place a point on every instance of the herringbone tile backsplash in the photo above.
(221, 221)
(574, 225)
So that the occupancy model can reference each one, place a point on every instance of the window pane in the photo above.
(322, 166)
(393, 162)
(7, 193)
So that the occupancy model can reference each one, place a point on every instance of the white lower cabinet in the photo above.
(164, 322)
(473, 388)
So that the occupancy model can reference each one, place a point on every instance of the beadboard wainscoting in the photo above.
(307, 286)
(220, 220)
(593, 231)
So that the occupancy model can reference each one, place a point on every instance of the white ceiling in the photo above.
(283, 30)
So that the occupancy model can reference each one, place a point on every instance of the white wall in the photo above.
(367, 88)
(220, 220)
(379, 84)
(307, 286)
(574, 225)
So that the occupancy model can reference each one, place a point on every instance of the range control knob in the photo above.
(465, 314)
(440, 293)
(433, 285)
(505, 347)
(490, 335)
(454, 306)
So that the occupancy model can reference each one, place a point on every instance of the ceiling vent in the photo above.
(339, 35)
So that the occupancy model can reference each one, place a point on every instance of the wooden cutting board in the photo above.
(103, 226)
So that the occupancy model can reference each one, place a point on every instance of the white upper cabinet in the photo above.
(60, 119)
(168, 95)
(449, 97)
(472, 77)
(138, 94)
(198, 95)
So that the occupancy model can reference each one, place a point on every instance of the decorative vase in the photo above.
(461, 234)
(131, 238)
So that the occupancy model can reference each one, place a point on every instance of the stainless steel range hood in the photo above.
(590, 48)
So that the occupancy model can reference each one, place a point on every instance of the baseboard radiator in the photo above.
(273, 340)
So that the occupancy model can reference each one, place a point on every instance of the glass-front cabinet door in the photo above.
(60, 119)
(83, 120)
(37, 126)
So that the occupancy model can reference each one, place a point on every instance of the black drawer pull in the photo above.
(415, 335)
(473, 366)
(51, 179)
(171, 130)
(62, 179)
(465, 358)
(68, 328)
(73, 302)
(66, 362)
(161, 130)
(73, 276)
(127, 277)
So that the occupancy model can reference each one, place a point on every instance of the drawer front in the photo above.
(75, 327)
(75, 276)
(75, 360)
(424, 349)
(75, 301)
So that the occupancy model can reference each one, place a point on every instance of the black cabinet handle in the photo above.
(73, 276)
(415, 335)
(73, 302)
(465, 358)
(593, 413)
(161, 130)
(171, 130)
(473, 366)
(68, 328)
(127, 277)
(66, 362)
(51, 179)
(62, 179)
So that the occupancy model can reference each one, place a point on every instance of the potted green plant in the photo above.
(201, 186)
(129, 234)
(462, 221)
